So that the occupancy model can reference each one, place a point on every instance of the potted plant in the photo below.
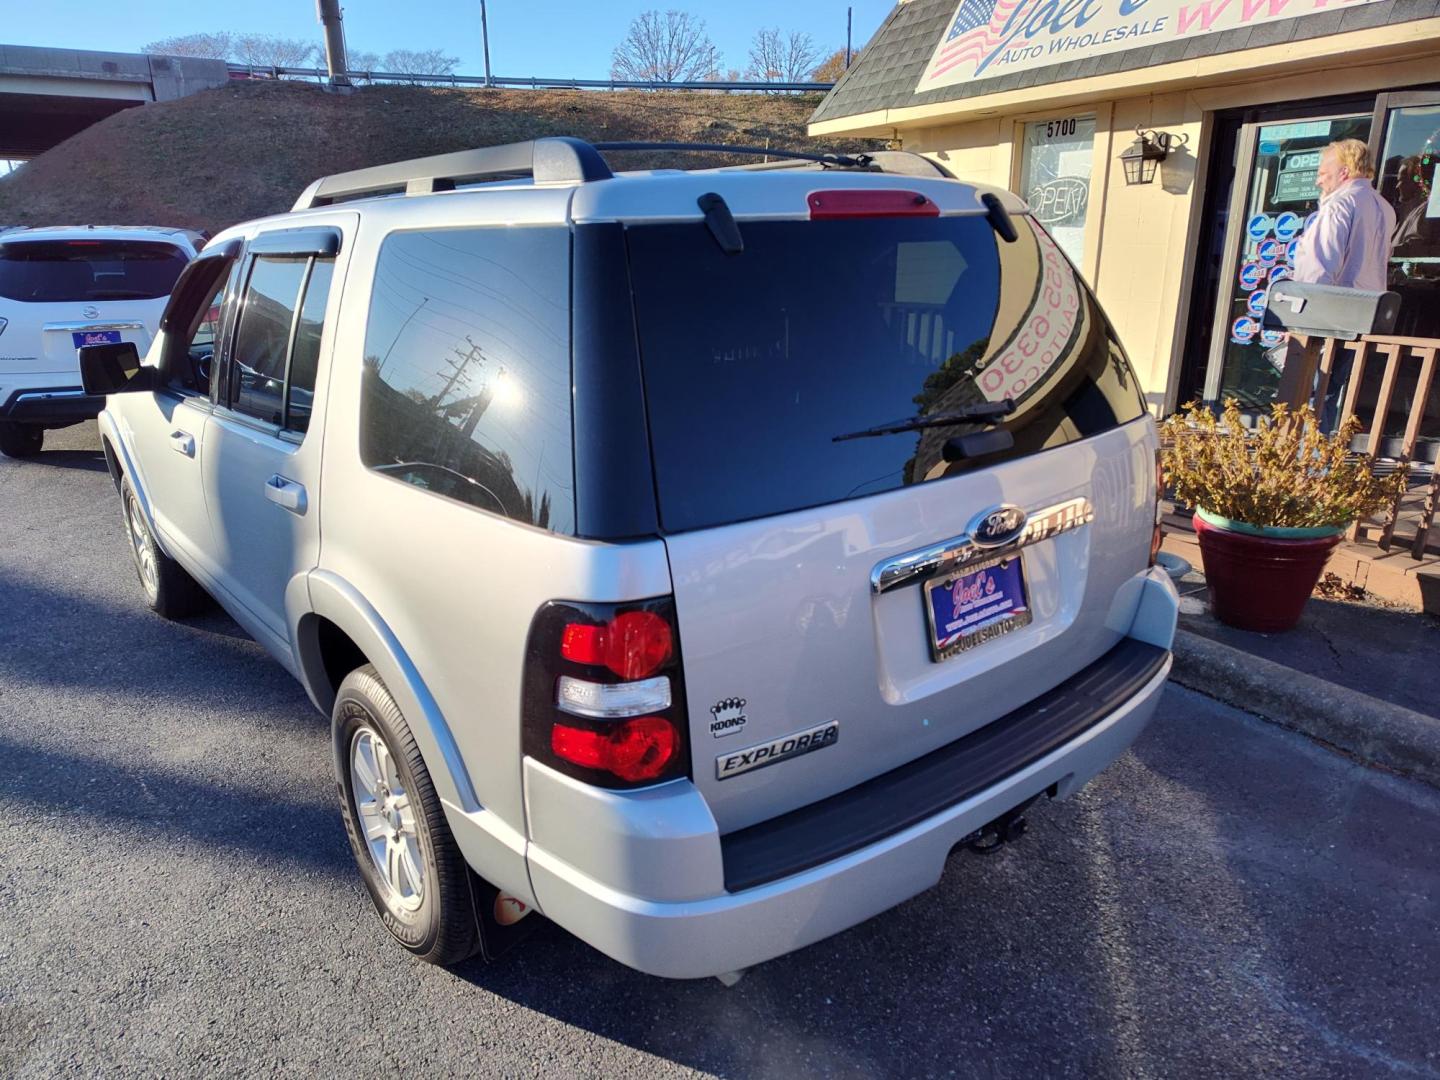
(1271, 503)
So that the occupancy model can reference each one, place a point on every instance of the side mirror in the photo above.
(113, 368)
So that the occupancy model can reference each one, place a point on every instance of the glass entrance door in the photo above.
(1407, 131)
(1273, 200)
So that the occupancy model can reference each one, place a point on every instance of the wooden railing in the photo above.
(1310, 380)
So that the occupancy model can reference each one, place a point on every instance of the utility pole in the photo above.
(485, 37)
(849, 13)
(329, 14)
(459, 372)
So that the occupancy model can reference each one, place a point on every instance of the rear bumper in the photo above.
(664, 906)
(693, 939)
(49, 406)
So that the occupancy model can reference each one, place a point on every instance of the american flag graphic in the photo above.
(974, 33)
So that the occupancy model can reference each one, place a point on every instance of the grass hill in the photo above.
(248, 149)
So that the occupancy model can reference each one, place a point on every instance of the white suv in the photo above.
(697, 558)
(61, 288)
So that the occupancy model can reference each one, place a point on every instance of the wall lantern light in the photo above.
(1144, 155)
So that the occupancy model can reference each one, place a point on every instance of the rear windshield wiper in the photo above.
(987, 413)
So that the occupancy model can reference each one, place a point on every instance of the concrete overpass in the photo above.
(48, 95)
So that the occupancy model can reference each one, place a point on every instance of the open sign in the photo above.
(1061, 201)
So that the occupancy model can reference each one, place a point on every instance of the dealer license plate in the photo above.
(81, 338)
(970, 608)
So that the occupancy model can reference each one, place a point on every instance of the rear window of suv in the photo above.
(56, 271)
(754, 362)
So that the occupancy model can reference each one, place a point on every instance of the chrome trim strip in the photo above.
(948, 555)
(49, 395)
(93, 326)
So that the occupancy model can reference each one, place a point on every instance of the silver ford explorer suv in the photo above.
(697, 558)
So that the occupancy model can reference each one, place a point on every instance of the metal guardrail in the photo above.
(533, 82)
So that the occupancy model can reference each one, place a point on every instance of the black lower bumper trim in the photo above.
(896, 800)
(51, 406)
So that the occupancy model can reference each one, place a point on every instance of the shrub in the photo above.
(1282, 472)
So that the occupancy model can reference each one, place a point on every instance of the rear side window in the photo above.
(466, 390)
(753, 363)
(55, 271)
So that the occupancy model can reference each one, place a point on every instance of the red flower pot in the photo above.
(1260, 582)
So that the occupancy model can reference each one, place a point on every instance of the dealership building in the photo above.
(1170, 147)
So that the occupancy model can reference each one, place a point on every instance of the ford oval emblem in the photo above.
(90, 312)
(998, 526)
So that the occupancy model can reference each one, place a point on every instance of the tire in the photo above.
(20, 440)
(407, 857)
(169, 590)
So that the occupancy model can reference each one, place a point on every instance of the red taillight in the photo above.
(869, 202)
(634, 645)
(83, 243)
(604, 698)
(635, 749)
(583, 644)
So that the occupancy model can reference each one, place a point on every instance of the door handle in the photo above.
(182, 443)
(286, 493)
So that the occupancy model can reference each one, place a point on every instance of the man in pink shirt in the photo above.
(1349, 242)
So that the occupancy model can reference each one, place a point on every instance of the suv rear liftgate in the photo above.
(795, 649)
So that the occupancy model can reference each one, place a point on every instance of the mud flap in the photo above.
(498, 923)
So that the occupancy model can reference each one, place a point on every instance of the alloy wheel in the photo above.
(387, 819)
(140, 545)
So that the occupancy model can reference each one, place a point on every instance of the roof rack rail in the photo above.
(898, 162)
(842, 160)
(171, 230)
(558, 159)
(909, 163)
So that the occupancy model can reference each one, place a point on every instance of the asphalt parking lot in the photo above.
(177, 896)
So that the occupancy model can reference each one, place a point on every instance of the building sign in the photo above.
(989, 38)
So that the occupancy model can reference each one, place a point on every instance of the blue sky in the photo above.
(550, 39)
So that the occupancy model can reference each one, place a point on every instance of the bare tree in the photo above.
(420, 62)
(777, 57)
(833, 66)
(216, 46)
(359, 60)
(268, 50)
(669, 46)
